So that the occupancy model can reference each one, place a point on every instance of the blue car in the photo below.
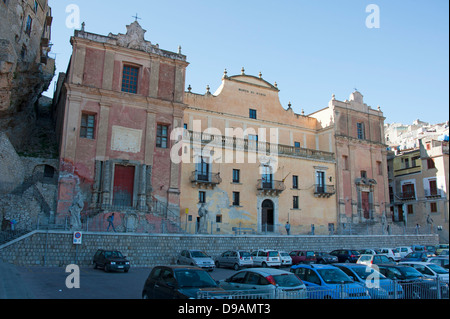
(377, 284)
(329, 282)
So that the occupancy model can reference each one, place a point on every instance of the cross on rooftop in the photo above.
(136, 17)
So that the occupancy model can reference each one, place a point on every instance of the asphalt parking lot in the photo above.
(50, 283)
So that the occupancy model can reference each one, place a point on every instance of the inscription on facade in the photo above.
(126, 139)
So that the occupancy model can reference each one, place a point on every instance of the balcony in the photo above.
(270, 188)
(407, 196)
(206, 179)
(432, 193)
(325, 191)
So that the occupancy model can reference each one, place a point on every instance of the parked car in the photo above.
(236, 259)
(325, 258)
(441, 247)
(391, 253)
(414, 285)
(329, 282)
(370, 260)
(368, 252)
(377, 284)
(444, 252)
(346, 255)
(111, 260)
(302, 257)
(440, 261)
(196, 258)
(266, 258)
(404, 250)
(417, 256)
(274, 282)
(428, 269)
(431, 249)
(178, 282)
(418, 248)
(286, 260)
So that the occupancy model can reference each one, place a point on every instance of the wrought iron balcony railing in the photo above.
(321, 190)
(205, 178)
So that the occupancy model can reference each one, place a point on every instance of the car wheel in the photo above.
(236, 267)
(106, 268)
(145, 296)
(347, 261)
(264, 265)
(125, 270)
(217, 264)
(95, 266)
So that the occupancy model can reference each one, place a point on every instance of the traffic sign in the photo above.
(77, 238)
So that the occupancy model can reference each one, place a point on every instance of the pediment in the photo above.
(250, 79)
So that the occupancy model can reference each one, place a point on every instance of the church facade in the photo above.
(114, 111)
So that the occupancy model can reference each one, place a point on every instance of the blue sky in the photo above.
(312, 49)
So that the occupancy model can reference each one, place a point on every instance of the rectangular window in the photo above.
(433, 207)
(202, 169)
(295, 181)
(218, 219)
(379, 168)
(363, 174)
(130, 79)
(87, 127)
(360, 131)
(236, 198)
(236, 176)
(253, 114)
(162, 134)
(410, 210)
(295, 202)
(29, 25)
(297, 144)
(345, 162)
(433, 187)
(202, 197)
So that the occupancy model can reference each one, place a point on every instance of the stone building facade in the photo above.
(361, 160)
(121, 97)
(253, 164)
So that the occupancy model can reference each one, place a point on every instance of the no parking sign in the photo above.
(77, 237)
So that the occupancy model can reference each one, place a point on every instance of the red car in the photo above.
(303, 257)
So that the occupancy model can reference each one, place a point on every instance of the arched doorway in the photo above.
(267, 216)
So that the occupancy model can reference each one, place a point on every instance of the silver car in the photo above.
(236, 259)
(196, 258)
(268, 282)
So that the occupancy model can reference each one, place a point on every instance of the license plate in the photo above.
(120, 267)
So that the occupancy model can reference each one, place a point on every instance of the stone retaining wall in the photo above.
(53, 248)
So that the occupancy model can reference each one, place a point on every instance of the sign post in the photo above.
(77, 240)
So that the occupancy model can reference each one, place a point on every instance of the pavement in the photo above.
(12, 285)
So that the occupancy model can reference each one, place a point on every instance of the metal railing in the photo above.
(395, 289)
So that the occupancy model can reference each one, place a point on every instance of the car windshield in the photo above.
(410, 273)
(365, 258)
(113, 254)
(365, 272)
(334, 276)
(198, 254)
(437, 269)
(355, 252)
(244, 253)
(287, 280)
(192, 278)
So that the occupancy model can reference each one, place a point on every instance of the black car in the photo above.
(346, 255)
(111, 260)
(178, 282)
(325, 258)
(414, 285)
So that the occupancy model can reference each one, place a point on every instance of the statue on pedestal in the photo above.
(203, 222)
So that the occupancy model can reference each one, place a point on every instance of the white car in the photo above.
(266, 258)
(428, 269)
(404, 250)
(286, 260)
(391, 253)
(369, 260)
(196, 258)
